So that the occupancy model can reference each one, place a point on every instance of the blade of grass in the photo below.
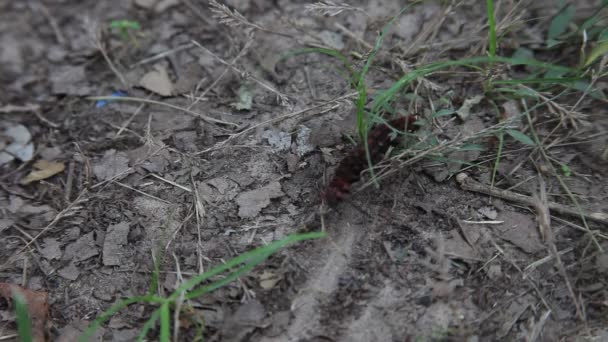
(24, 324)
(148, 325)
(114, 309)
(165, 322)
(386, 96)
(251, 259)
(492, 25)
(263, 251)
(362, 117)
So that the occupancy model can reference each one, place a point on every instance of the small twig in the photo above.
(45, 120)
(101, 49)
(129, 120)
(185, 110)
(197, 11)
(541, 204)
(283, 98)
(162, 54)
(179, 301)
(171, 182)
(70, 181)
(279, 118)
(141, 192)
(352, 35)
(469, 184)
(47, 14)
(199, 209)
(224, 72)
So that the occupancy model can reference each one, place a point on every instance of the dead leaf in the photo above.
(252, 202)
(37, 305)
(520, 230)
(157, 81)
(466, 107)
(45, 169)
(268, 280)
(111, 165)
(114, 242)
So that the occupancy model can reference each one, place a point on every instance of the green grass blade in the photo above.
(24, 324)
(265, 250)
(165, 322)
(362, 119)
(386, 96)
(113, 310)
(228, 279)
(148, 325)
(492, 25)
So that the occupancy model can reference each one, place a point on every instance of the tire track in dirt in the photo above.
(328, 263)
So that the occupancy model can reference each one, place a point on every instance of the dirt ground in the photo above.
(230, 146)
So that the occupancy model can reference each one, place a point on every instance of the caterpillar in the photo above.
(350, 168)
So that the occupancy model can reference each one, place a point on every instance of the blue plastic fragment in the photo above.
(103, 103)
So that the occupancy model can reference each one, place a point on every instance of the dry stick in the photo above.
(224, 72)
(200, 212)
(162, 55)
(541, 205)
(279, 118)
(141, 192)
(282, 97)
(70, 181)
(101, 49)
(45, 120)
(353, 36)
(137, 99)
(470, 184)
(544, 154)
(47, 14)
(126, 123)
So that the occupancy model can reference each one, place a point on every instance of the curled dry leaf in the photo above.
(44, 170)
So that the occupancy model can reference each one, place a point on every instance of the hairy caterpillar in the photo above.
(350, 168)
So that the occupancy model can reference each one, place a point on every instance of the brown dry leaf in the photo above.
(268, 280)
(37, 304)
(157, 81)
(45, 169)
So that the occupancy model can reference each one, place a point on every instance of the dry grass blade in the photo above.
(330, 8)
(233, 18)
(282, 98)
(227, 16)
(541, 205)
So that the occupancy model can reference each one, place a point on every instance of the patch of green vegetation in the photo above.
(194, 288)
(125, 28)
